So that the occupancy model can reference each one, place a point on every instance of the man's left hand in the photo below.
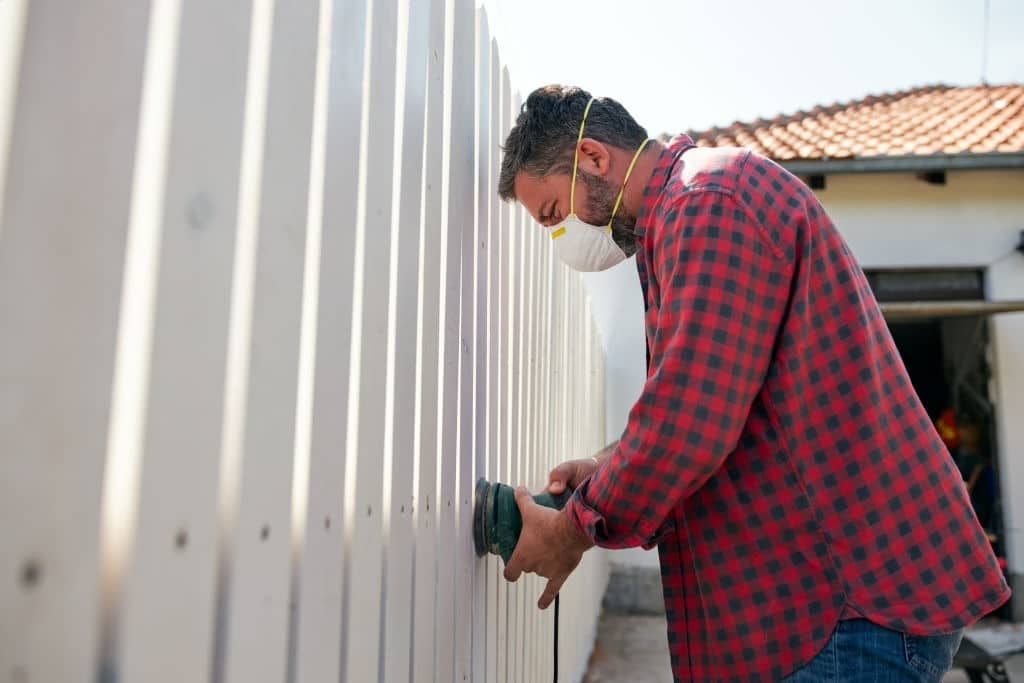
(549, 545)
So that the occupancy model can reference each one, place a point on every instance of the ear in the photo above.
(595, 157)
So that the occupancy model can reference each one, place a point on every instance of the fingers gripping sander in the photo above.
(496, 519)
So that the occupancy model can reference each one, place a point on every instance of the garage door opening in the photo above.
(947, 364)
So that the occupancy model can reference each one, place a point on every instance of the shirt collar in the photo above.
(659, 178)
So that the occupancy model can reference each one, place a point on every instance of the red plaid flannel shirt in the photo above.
(778, 455)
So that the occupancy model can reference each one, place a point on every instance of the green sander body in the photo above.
(496, 519)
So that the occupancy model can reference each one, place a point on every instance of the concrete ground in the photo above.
(634, 649)
(630, 648)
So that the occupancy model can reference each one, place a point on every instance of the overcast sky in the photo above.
(688, 64)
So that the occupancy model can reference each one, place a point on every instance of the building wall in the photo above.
(890, 221)
(1006, 281)
(894, 220)
(263, 322)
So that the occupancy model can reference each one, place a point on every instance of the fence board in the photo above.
(515, 406)
(505, 435)
(484, 579)
(12, 32)
(370, 311)
(463, 220)
(498, 123)
(319, 635)
(266, 321)
(525, 451)
(425, 634)
(536, 478)
(396, 628)
(64, 217)
(307, 337)
(165, 631)
(451, 250)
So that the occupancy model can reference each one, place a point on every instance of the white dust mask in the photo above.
(582, 246)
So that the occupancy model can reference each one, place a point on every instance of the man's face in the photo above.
(547, 199)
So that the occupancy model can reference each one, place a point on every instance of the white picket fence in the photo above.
(263, 322)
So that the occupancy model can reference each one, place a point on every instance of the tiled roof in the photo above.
(983, 119)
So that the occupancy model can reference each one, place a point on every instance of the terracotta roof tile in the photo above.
(981, 119)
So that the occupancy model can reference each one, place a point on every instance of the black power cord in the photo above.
(556, 640)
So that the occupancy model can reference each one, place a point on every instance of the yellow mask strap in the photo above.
(576, 160)
(629, 172)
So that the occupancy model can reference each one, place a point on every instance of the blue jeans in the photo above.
(860, 651)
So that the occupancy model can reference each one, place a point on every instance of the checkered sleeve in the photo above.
(722, 285)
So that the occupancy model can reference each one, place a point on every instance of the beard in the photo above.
(600, 203)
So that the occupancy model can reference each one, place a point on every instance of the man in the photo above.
(975, 470)
(810, 524)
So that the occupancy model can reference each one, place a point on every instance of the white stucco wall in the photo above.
(1006, 281)
(890, 221)
(895, 220)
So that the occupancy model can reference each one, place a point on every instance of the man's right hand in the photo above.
(570, 474)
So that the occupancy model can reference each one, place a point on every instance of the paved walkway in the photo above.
(634, 649)
(630, 648)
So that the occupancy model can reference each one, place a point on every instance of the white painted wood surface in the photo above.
(12, 31)
(165, 631)
(70, 113)
(263, 323)
(255, 566)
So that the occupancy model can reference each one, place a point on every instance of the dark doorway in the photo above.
(920, 346)
(946, 361)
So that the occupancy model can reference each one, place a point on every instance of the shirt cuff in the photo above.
(589, 521)
(594, 526)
